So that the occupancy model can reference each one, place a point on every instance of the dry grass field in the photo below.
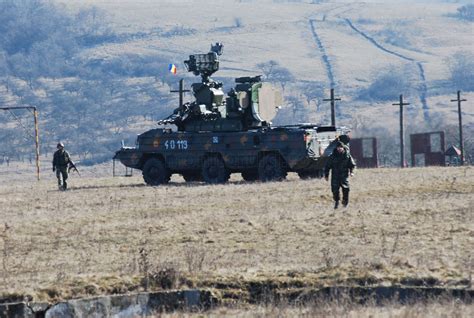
(113, 235)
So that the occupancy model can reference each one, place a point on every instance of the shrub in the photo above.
(178, 31)
(388, 85)
(466, 12)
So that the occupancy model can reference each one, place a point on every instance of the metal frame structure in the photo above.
(357, 151)
(421, 144)
(35, 116)
(128, 171)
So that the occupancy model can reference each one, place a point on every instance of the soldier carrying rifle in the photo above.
(62, 164)
(342, 165)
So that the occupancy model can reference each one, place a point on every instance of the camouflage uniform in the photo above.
(341, 165)
(61, 161)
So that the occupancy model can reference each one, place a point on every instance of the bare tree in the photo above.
(461, 65)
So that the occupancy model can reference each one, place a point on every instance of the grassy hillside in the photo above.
(408, 227)
(117, 71)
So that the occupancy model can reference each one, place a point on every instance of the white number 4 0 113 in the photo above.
(176, 144)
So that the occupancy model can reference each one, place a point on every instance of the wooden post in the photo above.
(402, 137)
(461, 140)
(35, 115)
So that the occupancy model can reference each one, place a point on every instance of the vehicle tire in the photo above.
(155, 172)
(192, 177)
(250, 175)
(271, 168)
(213, 170)
(304, 175)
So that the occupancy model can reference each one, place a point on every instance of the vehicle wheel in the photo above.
(304, 175)
(192, 177)
(250, 175)
(155, 172)
(214, 171)
(271, 168)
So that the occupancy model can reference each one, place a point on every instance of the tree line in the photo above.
(84, 102)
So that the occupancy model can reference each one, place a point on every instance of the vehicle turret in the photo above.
(250, 104)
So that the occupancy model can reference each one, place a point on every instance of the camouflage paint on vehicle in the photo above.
(219, 134)
(301, 149)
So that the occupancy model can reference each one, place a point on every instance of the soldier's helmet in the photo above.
(345, 139)
(60, 145)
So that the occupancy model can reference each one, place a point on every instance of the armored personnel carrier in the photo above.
(218, 134)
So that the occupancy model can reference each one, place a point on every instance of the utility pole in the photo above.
(402, 137)
(181, 92)
(35, 115)
(461, 141)
(333, 107)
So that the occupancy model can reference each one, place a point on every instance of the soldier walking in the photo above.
(342, 165)
(61, 162)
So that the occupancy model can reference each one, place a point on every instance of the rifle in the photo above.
(72, 166)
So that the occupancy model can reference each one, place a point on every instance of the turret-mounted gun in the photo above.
(250, 103)
(208, 94)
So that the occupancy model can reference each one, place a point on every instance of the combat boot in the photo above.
(336, 204)
(345, 197)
